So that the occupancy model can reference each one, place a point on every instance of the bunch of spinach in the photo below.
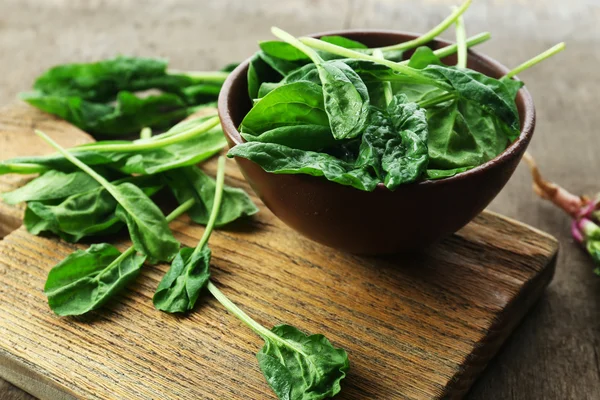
(296, 365)
(100, 97)
(356, 117)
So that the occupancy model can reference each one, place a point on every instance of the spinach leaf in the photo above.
(444, 173)
(489, 94)
(282, 50)
(346, 99)
(51, 185)
(405, 160)
(86, 280)
(259, 72)
(345, 95)
(82, 214)
(302, 137)
(179, 289)
(147, 226)
(191, 183)
(100, 81)
(298, 103)
(461, 134)
(300, 366)
(280, 159)
(343, 42)
(422, 57)
(129, 115)
(394, 144)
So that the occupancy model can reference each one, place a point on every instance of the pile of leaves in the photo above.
(122, 95)
(357, 116)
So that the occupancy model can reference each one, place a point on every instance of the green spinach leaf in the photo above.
(280, 159)
(191, 183)
(147, 226)
(51, 185)
(86, 280)
(302, 367)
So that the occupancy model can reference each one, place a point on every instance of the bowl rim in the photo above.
(511, 151)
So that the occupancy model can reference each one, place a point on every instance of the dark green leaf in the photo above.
(444, 173)
(147, 225)
(343, 42)
(462, 135)
(282, 50)
(346, 99)
(298, 103)
(82, 214)
(280, 159)
(129, 115)
(180, 287)
(191, 182)
(50, 186)
(100, 81)
(258, 73)
(302, 367)
(422, 57)
(302, 137)
(85, 280)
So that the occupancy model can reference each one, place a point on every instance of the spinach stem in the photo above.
(148, 145)
(453, 48)
(246, 319)
(215, 207)
(461, 35)
(21, 168)
(429, 36)
(146, 133)
(387, 85)
(202, 76)
(179, 211)
(437, 100)
(341, 51)
(80, 164)
(540, 57)
(290, 39)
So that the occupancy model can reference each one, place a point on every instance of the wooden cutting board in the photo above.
(418, 326)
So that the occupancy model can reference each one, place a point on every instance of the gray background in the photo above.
(555, 353)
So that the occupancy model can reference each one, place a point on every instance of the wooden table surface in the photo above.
(555, 353)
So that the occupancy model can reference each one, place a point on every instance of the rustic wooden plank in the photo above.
(416, 326)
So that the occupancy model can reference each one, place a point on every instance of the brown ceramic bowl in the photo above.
(381, 221)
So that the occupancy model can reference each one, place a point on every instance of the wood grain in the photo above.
(417, 326)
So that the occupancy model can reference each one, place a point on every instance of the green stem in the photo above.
(437, 100)
(461, 35)
(146, 133)
(246, 319)
(215, 207)
(22, 168)
(290, 39)
(539, 58)
(429, 36)
(399, 67)
(387, 86)
(239, 314)
(182, 209)
(153, 144)
(78, 163)
(453, 48)
(202, 76)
